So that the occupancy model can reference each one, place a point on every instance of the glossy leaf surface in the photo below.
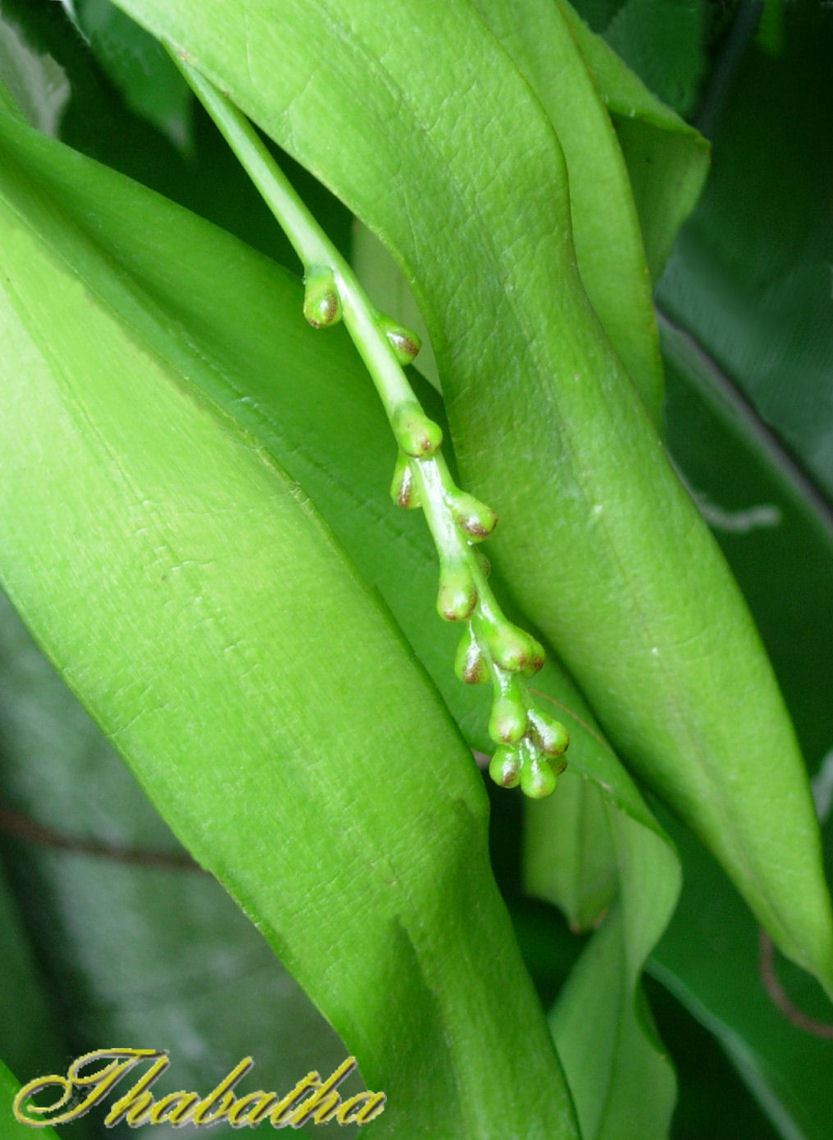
(666, 158)
(606, 232)
(311, 428)
(777, 534)
(262, 720)
(133, 943)
(621, 1077)
(683, 690)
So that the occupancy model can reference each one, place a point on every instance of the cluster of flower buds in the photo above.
(530, 745)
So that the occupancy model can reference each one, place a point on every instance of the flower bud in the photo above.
(403, 488)
(505, 767)
(418, 436)
(538, 780)
(483, 562)
(550, 735)
(470, 664)
(405, 344)
(508, 722)
(322, 304)
(457, 595)
(474, 517)
(536, 659)
(512, 648)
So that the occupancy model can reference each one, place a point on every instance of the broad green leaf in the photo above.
(625, 581)
(97, 121)
(258, 688)
(37, 87)
(663, 43)
(778, 538)
(570, 857)
(608, 243)
(774, 528)
(134, 946)
(666, 159)
(310, 426)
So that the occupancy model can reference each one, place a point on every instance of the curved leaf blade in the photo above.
(310, 426)
(135, 944)
(606, 233)
(667, 160)
(261, 720)
(621, 1077)
(684, 692)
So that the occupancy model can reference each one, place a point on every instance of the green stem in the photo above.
(492, 649)
(312, 246)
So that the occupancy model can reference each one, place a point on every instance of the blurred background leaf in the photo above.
(107, 121)
(748, 345)
(750, 278)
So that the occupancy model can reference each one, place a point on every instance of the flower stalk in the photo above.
(530, 744)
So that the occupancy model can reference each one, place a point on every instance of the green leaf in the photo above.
(36, 86)
(621, 1077)
(663, 43)
(300, 419)
(570, 857)
(617, 581)
(667, 160)
(97, 121)
(138, 66)
(135, 945)
(605, 228)
(778, 537)
(280, 701)
(709, 958)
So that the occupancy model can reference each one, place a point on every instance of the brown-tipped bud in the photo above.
(405, 344)
(418, 436)
(511, 648)
(550, 735)
(472, 516)
(322, 304)
(537, 657)
(508, 722)
(538, 779)
(457, 595)
(470, 664)
(505, 767)
(403, 488)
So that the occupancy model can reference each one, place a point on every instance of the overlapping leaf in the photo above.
(618, 573)
(666, 159)
(134, 944)
(311, 428)
(606, 232)
(220, 636)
